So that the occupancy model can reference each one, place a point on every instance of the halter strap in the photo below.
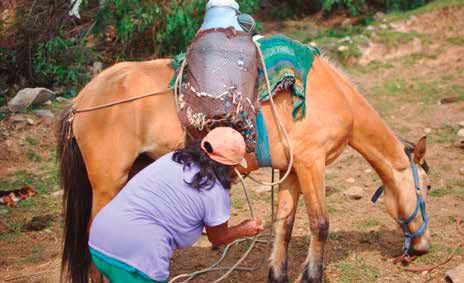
(420, 205)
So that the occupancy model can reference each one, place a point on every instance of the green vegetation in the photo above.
(455, 187)
(356, 271)
(456, 40)
(367, 223)
(445, 134)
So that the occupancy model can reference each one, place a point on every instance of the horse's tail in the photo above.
(77, 204)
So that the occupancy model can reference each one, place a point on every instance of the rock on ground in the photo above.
(455, 275)
(461, 133)
(44, 113)
(354, 192)
(28, 96)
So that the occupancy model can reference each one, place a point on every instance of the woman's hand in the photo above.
(251, 227)
(222, 234)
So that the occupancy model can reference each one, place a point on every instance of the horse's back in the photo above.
(116, 82)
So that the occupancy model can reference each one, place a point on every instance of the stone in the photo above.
(367, 171)
(370, 28)
(28, 96)
(57, 194)
(354, 192)
(461, 133)
(459, 143)
(379, 15)
(383, 26)
(455, 275)
(342, 48)
(262, 189)
(44, 113)
(350, 180)
(38, 223)
(447, 100)
(461, 124)
(346, 39)
(427, 130)
(31, 122)
(97, 67)
(60, 99)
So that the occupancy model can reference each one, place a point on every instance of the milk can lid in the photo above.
(223, 3)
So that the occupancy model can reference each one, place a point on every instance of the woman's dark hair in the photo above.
(210, 170)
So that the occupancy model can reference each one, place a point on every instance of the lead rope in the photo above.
(255, 239)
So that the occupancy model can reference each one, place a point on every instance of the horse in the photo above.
(97, 149)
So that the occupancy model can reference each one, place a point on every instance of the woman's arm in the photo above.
(223, 234)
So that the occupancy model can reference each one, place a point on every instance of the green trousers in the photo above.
(118, 272)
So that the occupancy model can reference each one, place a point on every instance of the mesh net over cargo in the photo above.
(222, 67)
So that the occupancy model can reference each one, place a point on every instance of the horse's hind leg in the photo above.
(311, 176)
(289, 194)
(108, 173)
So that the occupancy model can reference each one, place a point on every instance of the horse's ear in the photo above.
(420, 149)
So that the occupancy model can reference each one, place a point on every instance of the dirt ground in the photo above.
(404, 82)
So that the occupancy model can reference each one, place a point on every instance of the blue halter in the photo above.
(420, 205)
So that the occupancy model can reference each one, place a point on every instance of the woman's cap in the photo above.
(226, 146)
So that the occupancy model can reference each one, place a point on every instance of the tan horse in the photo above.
(98, 155)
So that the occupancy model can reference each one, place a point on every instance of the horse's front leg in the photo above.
(311, 176)
(287, 203)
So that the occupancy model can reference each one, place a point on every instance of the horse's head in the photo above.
(418, 187)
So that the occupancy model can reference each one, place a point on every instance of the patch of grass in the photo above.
(455, 188)
(34, 156)
(334, 236)
(32, 141)
(367, 238)
(435, 254)
(372, 66)
(37, 254)
(393, 39)
(368, 223)
(434, 5)
(456, 40)
(445, 134)
(459, 90)
(357, 272)
(332, 209)
(413, 58)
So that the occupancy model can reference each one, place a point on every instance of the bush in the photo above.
(160, 28)
(64, 62)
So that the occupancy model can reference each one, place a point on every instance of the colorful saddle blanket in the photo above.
(288, 63)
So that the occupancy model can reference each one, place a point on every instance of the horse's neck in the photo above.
(375, 141)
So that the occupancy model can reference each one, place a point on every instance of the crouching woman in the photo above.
(166, 206)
